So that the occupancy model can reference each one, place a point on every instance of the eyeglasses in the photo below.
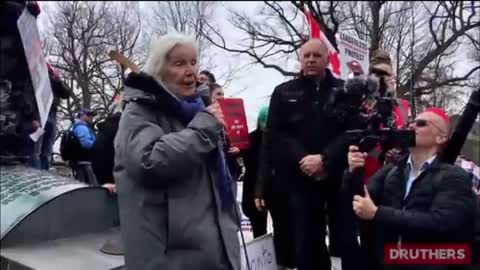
(424, 123)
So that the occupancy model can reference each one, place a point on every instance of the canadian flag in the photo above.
(315, 32)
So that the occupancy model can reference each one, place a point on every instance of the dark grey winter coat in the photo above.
(169, 207)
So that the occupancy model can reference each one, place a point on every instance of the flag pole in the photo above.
(412, 94)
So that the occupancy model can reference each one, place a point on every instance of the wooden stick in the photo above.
(124, 61)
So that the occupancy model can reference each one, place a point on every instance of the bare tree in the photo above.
(408, 29)
(189, 17)
(275, 34)
(80, 37)
(435, 31)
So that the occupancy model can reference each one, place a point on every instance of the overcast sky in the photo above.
(258, 81)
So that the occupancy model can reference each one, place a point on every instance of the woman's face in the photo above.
(181, 70)
(217, 94)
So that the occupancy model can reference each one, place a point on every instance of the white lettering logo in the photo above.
(394, 253)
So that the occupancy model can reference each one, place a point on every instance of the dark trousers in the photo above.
(283, 234)
(258, 219)
(259, 223)
(48, 139)
(343, 231)
(84, 173)
(307, 209)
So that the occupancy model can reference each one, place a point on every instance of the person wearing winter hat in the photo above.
(422, 200)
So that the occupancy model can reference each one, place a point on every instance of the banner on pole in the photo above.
(354, 56)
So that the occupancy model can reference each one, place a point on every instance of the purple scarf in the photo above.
(187, 109)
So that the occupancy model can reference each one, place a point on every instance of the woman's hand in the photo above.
(234, 151)
(216, 111)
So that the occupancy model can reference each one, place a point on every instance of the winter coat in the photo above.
(299, 124)
(170, 210)
(86, 137)
(104, 152)
(439, 208)
(251, 158)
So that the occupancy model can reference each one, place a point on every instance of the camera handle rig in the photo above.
(381, 129)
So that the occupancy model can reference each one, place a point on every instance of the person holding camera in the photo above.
(381, 82)
(381, 67)
(299, 137)
(422, 200)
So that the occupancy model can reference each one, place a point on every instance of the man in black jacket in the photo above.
(421, 200)
(299, 132)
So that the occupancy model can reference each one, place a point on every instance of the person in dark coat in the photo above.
(104, 151)
(268, 195)
(251, 158)
(175, 194)
(300, 141)
(422, 200)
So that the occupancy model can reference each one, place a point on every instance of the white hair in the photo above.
(159, 50)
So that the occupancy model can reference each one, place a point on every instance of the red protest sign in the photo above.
(236, 121)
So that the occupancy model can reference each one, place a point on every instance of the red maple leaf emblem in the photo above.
(335, 62)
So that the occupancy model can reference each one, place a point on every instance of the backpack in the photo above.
(69, 145)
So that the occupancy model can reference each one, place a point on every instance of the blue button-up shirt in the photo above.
(411, 175)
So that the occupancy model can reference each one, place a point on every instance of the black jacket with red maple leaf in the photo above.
(299, 124)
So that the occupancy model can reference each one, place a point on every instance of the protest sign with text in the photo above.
(236, 121)
(261, 254)
(32, 45)
(353, 56)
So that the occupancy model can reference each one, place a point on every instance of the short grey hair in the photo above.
(159, 50)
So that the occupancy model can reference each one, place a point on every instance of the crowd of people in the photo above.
(166, 153)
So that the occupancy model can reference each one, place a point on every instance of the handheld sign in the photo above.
(27, 27)
(354, 56)
(236, 120)
(261, 254)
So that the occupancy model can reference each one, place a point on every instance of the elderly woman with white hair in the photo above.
(176, 202)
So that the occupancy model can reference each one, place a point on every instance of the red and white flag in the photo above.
(316, 32)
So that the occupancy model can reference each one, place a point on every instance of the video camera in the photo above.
(366, 108)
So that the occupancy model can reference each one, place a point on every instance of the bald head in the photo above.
(314, 58)
(316, 45)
